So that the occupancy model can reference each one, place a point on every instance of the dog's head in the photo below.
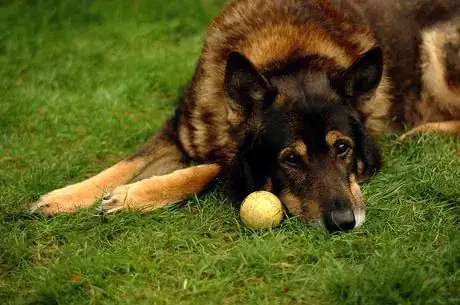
(302, 137)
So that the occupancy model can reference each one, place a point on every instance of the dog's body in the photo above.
(286, 97)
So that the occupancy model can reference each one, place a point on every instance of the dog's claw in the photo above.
(110, 204)
(122, 197)
(36, 206)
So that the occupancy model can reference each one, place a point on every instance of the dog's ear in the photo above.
(368, 157)
(244, 84)
(362, 77)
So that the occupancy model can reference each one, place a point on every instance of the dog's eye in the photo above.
(341, 148)
(292, 159)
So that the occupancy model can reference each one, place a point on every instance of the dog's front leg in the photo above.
(158, 191)
(83, 194)
(157, 156)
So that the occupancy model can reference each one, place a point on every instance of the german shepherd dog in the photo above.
(286, 97)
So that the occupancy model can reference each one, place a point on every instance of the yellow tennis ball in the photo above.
(261, 210)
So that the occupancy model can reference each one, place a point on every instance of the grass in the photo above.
(83, 83)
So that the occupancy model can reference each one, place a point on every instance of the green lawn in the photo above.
(83, 83)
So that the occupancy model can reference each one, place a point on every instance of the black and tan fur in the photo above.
(286, 97)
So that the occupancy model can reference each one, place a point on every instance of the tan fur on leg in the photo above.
(158, 191)
(448, 127)
(83, 194)
(158, 156)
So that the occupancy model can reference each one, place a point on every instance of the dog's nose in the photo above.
(339, 218)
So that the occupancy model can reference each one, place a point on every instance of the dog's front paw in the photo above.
(145, 195)
(121, 197)
(65, 200)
